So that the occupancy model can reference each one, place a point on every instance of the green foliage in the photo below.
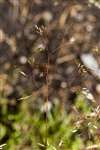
(63, 130)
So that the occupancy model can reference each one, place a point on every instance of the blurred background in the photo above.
(49, 74)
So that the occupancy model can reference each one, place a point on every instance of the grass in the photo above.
(74, 130)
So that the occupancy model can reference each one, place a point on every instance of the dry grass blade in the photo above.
(42, 145)
(92, 147)
(25, 98)
(1, 146)
(22, 73)
(60, 144)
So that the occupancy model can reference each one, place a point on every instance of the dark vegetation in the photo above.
(49, 74)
